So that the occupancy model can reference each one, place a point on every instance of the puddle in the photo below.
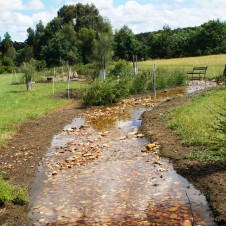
(99, 171)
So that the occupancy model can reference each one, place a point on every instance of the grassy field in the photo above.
(18, 105)
(195, 122)
(215, 63)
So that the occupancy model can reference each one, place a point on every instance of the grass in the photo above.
(18, 105)
(11, 195)
(194, 122)
(215, 64)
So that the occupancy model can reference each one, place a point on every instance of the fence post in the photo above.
(68, 82)
(54, 81)
(154, 81)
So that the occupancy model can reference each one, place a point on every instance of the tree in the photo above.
(6, 43)
(24, 55)
(82, 16)
(103, 50)
(85, 42)
(125, 44)
(55, 50)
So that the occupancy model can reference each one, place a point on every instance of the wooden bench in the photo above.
(197, 72)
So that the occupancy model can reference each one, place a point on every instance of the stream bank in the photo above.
(208, 178)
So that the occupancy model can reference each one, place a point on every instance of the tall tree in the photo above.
(103, 51)
(125, 44)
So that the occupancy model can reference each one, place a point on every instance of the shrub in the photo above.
(120, 69)
(219, 142)
(105, 92)
(114, 89)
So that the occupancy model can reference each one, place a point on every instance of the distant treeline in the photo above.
(80, 35)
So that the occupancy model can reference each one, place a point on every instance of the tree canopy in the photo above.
(79, 34)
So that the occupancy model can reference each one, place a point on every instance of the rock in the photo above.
(150, 146)
(186, 223)
(173, 216)
(54, 173)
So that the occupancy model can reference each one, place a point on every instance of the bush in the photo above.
(120, 69)
(114, 89)
(105, 92)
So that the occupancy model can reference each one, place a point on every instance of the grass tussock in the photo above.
(11, 195)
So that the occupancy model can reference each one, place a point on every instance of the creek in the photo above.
(100, 170)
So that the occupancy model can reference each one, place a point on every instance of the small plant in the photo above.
(206, 155)
(219, 142)
(11, 195)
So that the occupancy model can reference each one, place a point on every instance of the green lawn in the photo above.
(18, 105)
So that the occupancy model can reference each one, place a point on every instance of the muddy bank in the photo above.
(20, 158)
(208, 178)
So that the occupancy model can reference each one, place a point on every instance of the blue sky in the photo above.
(139, 15)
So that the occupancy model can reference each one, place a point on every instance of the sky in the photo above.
(16, 16)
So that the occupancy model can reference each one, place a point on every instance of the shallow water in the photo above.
(98, 171)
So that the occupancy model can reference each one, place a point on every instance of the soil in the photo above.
(20, 158)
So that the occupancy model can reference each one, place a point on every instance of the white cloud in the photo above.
(34, 5)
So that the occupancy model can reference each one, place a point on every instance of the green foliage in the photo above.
(113, 89)
(120, 68)
(207, 155)
(166, 77)
(8, 62)
(103, 92)
(102, 53)
(86, 70)
(219, 142)
(29, 70)
(125, 44)
(11, 195)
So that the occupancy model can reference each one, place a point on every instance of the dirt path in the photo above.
(208, 178)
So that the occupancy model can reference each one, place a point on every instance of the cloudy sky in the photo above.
(140, 15)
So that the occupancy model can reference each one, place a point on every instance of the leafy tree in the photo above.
(85, 42)
(24, 55)
(103, 52)
(6, 43)
(82, 16)
(55, 50)
(125, 44)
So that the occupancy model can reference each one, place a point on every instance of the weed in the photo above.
(11, 195)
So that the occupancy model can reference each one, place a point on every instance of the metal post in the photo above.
(154, 81)
(68, 83)
(54, 73)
